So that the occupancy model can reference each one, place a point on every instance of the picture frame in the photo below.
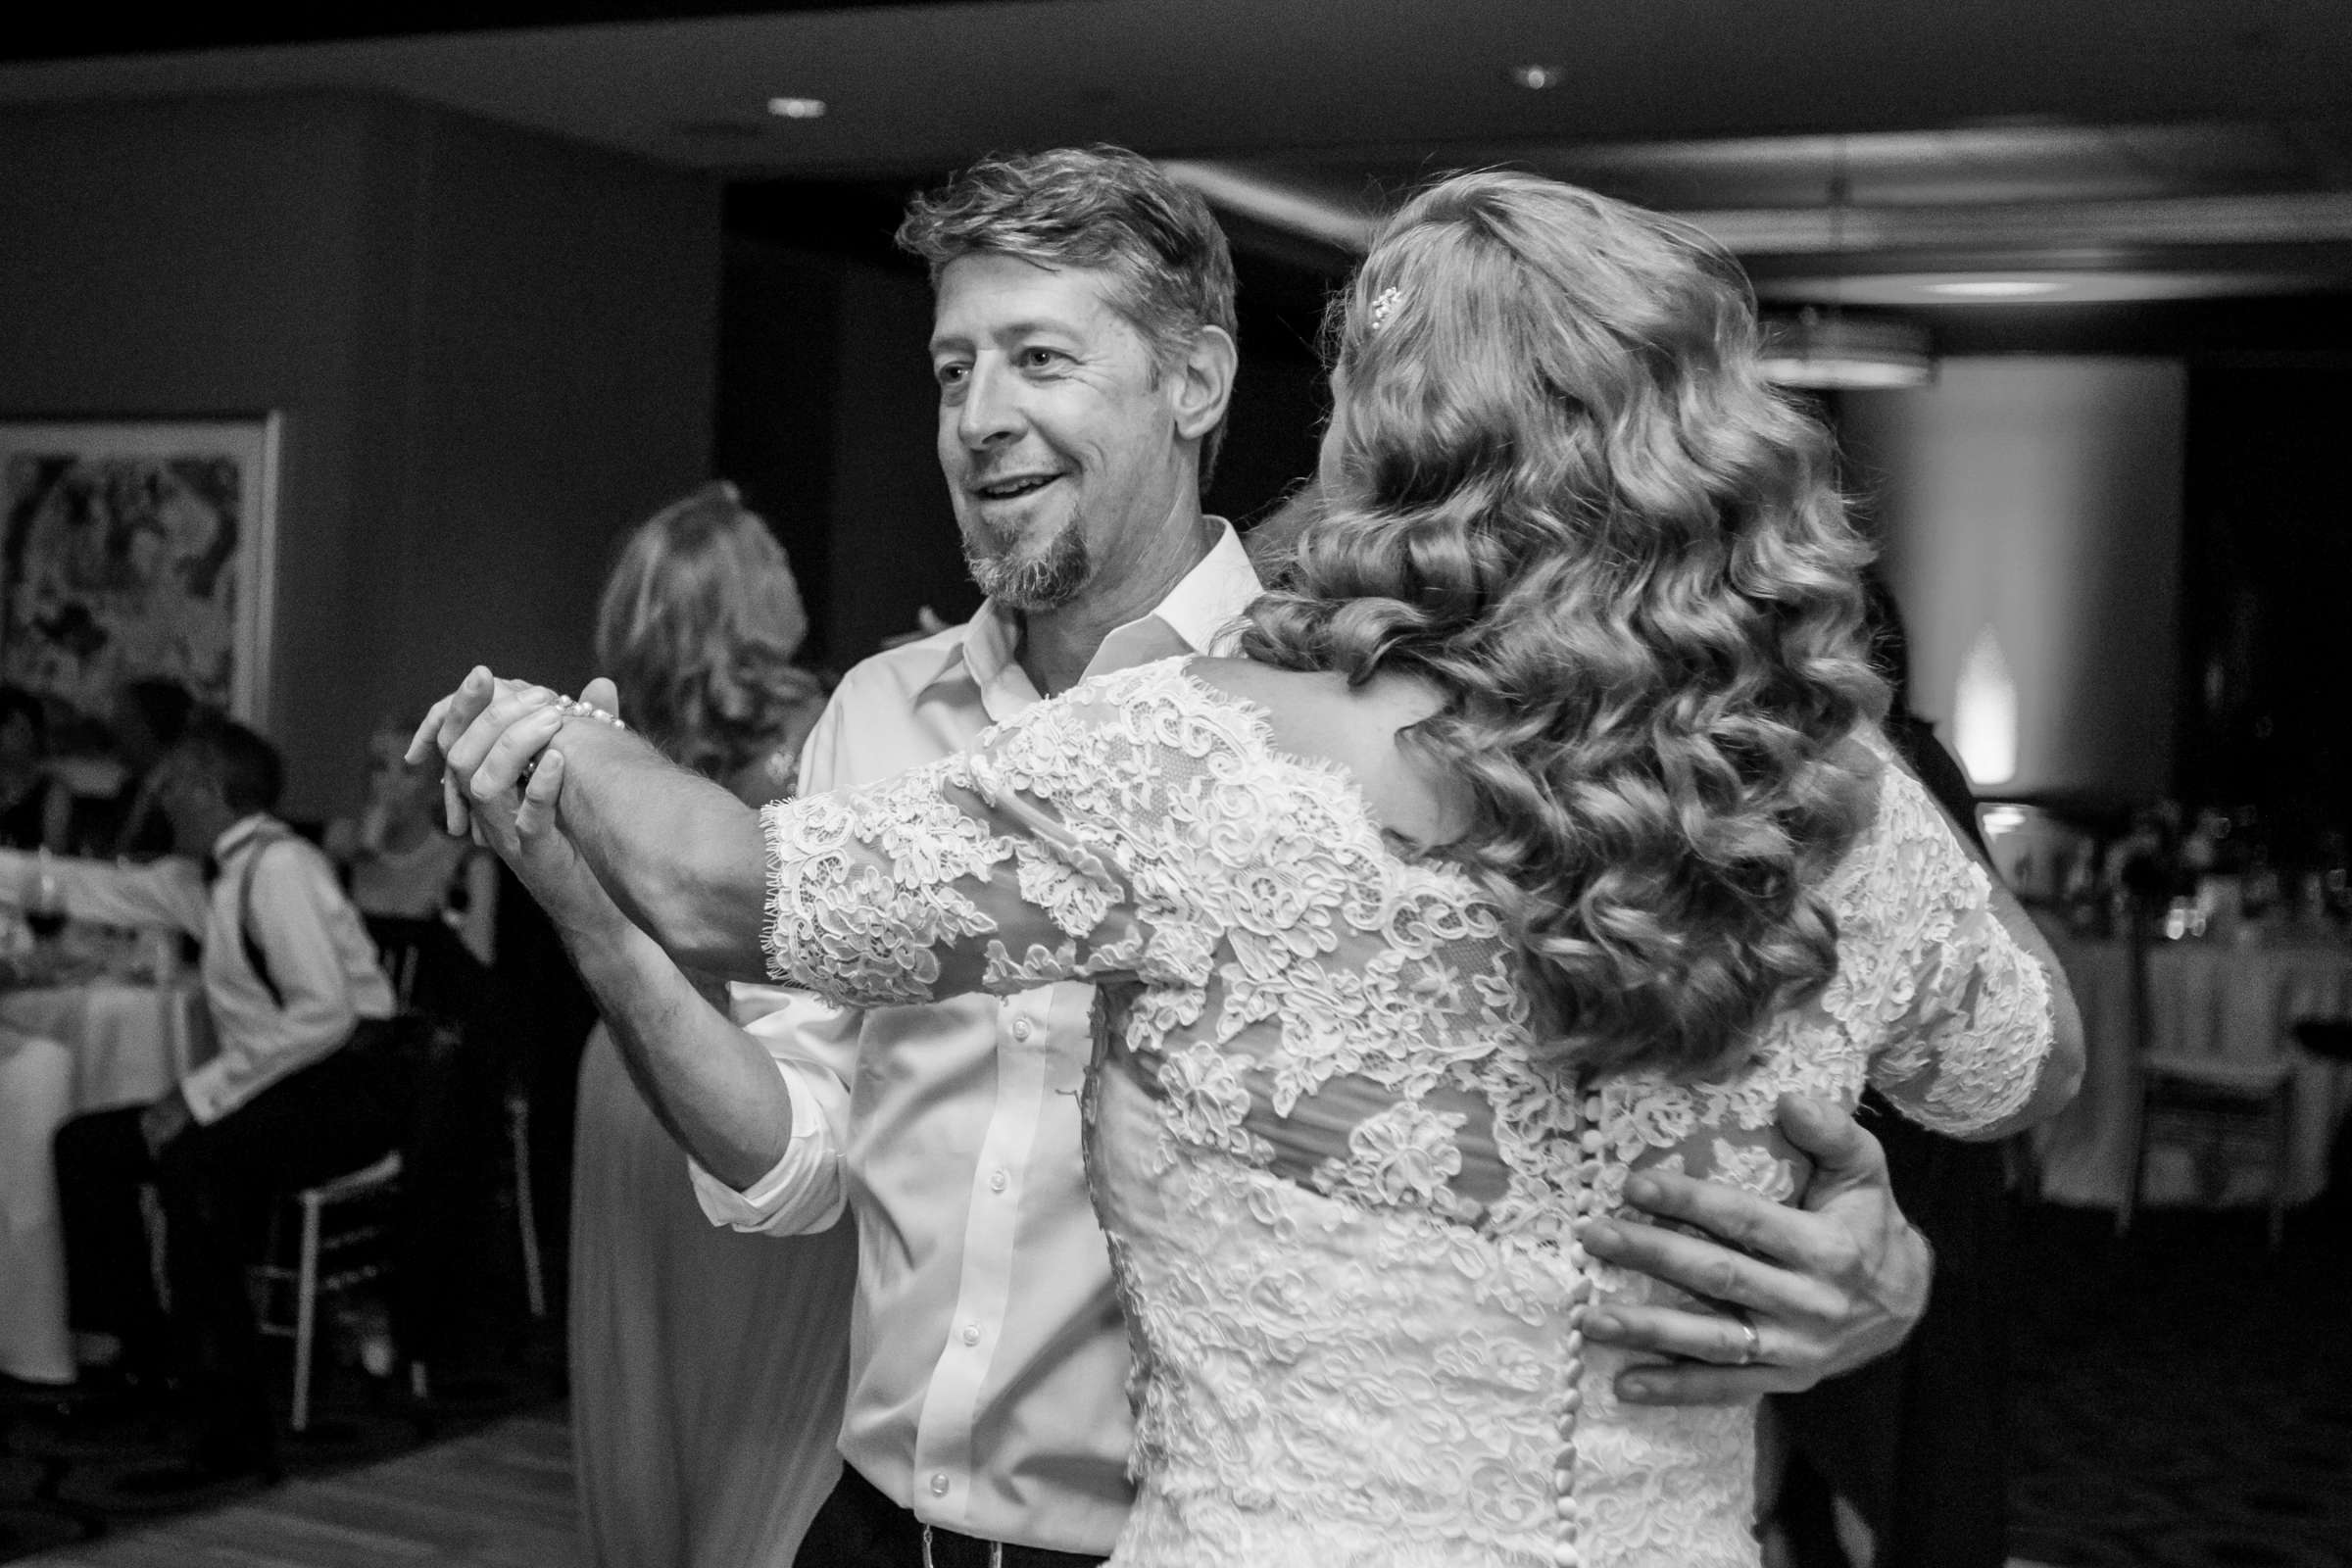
(139, 546)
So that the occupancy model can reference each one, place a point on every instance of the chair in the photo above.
(338, 1251)
(2228, 1106)
(418, 955)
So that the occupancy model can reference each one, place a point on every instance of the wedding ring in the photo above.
(1753, 1349)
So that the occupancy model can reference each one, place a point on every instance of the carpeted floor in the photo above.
(62, 1460)
(2183, 1400)
(2183, 1396)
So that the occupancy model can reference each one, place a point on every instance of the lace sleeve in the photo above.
(1955, 1015)
(1008, 867)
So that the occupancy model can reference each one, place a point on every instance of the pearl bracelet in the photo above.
(573, 708)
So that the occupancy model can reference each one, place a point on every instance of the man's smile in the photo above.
(1011, 487)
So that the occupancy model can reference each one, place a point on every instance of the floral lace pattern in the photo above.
(1338, 1180)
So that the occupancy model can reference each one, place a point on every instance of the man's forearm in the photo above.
(710, 1083)
(683, 858)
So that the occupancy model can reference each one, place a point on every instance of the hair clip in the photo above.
(1383, 306)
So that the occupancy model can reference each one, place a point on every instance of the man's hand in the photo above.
(164, 1120)
(1824, 1288)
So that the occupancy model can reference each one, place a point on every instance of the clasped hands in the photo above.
(1810, 1291)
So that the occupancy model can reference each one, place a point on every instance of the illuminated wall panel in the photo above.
(2030, 511)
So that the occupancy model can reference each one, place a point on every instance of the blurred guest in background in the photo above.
(36, 810)
(150, 716)
(430, 901)
(303, 1087)
(707, 1367)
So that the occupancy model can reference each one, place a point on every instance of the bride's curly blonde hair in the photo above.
(1558, 488)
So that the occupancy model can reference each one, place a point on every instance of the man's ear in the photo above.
(1203, 382)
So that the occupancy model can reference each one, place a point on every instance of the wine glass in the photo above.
(45, 900)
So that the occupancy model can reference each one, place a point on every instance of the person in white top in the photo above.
(291, 981)
(1082, 346)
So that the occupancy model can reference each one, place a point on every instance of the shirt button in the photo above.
(972, 1334)
(939, 1485)
(1021, 1029)
(997, 1180)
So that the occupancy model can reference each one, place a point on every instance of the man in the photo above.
(1083, 347)
(289, 979)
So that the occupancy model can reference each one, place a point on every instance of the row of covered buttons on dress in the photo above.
(1566, 1552)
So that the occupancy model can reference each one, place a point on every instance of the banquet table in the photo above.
(66, 1049)
(2231, 1000)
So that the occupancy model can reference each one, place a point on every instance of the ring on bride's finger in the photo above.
(1752, 1349)
(522, 780)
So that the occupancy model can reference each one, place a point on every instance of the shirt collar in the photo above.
(237, 835)
(1195, 616)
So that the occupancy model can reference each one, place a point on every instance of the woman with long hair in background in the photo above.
(707, 1367)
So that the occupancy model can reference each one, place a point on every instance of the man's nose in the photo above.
(990, 409)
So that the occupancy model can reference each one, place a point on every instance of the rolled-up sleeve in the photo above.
(814, 1046)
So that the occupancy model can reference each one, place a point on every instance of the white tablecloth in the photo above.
(2204, 999)
(63, 1051)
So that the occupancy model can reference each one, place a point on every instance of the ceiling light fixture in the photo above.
(1995, 288)
(797, 108)
(1826, 349)
(1535, 79)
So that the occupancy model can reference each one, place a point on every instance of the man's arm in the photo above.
(684, 859)
(1827, 1286)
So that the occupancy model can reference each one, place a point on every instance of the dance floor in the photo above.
(500, 1497)
(2183, 1400)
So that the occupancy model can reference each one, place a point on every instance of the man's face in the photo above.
(190, 798)
(1058, 442)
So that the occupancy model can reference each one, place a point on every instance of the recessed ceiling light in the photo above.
(1994, 288)
(798, 108)
(1535, 79)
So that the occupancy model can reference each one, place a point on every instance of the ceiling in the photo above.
(2143, 148)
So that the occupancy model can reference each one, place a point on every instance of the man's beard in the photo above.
(1047, 580)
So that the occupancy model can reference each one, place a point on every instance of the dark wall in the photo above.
(2266, 714)
(492, 351)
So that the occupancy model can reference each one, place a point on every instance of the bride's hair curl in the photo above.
(1558, 488)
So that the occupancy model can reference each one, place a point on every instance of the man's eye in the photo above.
(1041, 358)
(951, 374)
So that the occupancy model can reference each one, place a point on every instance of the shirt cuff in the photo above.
(204, 1091)
(801, 1194)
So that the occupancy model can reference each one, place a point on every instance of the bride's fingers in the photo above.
(510, 706)
(462, 707)
(601, 693)
(1708, 1268)
(501, 766)
(538, 812)
(420, 743)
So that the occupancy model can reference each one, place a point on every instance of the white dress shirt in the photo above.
(318, 951)
(988, 1363)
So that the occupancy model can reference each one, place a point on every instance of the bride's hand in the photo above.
(1816, 1290)
(488, 726)
(521, 827)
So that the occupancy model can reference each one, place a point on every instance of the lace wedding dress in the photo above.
(1339, 1181)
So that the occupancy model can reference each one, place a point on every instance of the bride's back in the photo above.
(1317, 716)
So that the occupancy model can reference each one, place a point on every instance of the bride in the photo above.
(1543, 837)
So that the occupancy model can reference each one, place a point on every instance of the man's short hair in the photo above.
(248, 768)
(1103, 209)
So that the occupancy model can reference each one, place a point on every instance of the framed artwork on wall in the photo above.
(133, 548)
